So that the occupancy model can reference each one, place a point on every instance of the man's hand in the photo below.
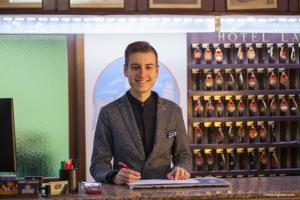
(126, 176)
(178, 173)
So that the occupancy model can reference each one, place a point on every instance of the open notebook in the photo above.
(165, 183)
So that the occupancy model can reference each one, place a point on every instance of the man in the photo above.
(140, 129)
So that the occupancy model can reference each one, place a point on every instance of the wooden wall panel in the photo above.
(77, 102)
(294, 5)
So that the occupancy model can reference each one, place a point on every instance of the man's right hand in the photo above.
(126, 176)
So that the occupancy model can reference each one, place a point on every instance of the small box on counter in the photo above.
(8, 186)
(35, 178)
(90, 188)
(55, 188)
(28, 188)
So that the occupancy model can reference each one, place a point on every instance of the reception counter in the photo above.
(283, 188)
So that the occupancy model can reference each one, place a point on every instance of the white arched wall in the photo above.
(102, 49)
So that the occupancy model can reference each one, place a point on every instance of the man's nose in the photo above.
(143, 72)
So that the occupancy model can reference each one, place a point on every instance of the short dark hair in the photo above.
(139, 47)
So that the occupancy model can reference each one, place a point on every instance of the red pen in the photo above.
(123, 165)
(126, 167)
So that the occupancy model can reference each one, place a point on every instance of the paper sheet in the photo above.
(163, 182)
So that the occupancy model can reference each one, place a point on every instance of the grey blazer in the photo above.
(117, 137)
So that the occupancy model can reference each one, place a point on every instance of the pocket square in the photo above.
(171, 134)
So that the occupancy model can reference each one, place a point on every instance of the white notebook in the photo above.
(166, 183)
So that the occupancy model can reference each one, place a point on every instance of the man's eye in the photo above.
(135, 67)
(149, 67)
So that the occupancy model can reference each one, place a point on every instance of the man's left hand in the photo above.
(178, 173)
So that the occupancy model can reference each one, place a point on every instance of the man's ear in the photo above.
(157, 69)
(125, 70)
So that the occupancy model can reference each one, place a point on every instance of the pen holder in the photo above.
(70, 175)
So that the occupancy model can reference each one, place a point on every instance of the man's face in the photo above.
(141, 72)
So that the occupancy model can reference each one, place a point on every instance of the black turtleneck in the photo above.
(145, 118)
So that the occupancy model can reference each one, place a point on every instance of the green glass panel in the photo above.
(34, 72)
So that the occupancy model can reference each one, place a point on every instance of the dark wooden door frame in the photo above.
(77, 101)
(294, 5)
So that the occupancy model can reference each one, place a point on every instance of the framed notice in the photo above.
(20, 3)
(251, 4)
(97, 3)
(180, 4)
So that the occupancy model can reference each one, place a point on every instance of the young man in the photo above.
(140, 129)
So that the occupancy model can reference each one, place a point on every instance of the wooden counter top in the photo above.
(283, 188)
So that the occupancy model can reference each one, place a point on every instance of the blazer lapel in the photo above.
(161, 117)
(128, 117)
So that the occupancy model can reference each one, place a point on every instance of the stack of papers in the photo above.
(166, 183)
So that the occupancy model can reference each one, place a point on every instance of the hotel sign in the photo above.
(245, 37)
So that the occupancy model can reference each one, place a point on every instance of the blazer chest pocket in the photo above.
(169, 137)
